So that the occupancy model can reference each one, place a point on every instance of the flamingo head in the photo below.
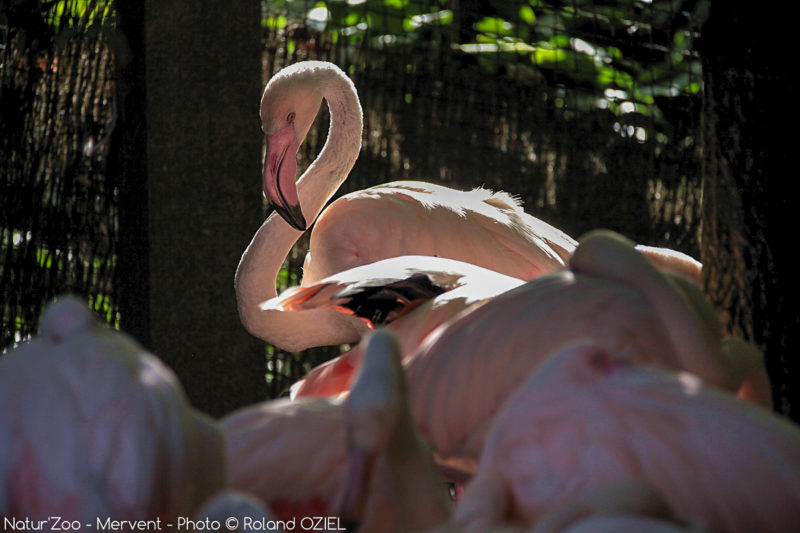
(289, 106)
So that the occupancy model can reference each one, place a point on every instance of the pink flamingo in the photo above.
(621, 507)
(95, 427)
(625, 507)
(410, 295)
(674, 261)
(466, 369)
(374, 468)
(588, 417)
(401, 218)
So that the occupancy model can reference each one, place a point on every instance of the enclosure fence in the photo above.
(586, 110)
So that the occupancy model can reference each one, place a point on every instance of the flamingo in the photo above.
(484, 228)
(616, 507)
(602, 523)
(93, 426)
(374, 468)
(466, 368)
(274, 452)
(621, 523)
(589, 416)
(674, 261)
(410, 295)
(400, 218)
(625, 507)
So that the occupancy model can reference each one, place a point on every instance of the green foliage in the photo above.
(389, 21)
(627, 53)
(79, 13)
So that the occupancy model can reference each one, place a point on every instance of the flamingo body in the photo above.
(264, 444)
(610, 523)
(443, 279)
(463, 373)
(625, 506)
(93, 426)
(359, 458)
(480, 227)
(445, 288)
(381, 292)
(588, 417)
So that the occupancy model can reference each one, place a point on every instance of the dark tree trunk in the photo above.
(750, 269)
(194, 176)
(128, 162)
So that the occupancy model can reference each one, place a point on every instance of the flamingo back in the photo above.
(588, 417)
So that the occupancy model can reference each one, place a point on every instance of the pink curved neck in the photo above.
(261, 261)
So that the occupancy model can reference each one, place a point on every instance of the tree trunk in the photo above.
(749, 270)
(194, 180)
(128, 162)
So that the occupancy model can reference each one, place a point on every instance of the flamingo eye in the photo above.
(290, 117)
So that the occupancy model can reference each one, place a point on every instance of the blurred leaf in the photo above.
(79, 13)
(274, 22)
(559, 41)
(414, 22)
(527, 15)
(494, 26)
(607, 76)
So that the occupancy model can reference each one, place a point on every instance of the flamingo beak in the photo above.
(280, 171)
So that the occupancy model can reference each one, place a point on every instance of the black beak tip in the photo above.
(293, 216)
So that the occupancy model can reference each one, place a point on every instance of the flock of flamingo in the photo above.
(506, 377)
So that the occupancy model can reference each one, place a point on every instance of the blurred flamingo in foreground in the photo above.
(623, 507)
(620, 507)
(589, 417)
(401, 218)
(466, 369)
(361, 459)
(93, 426)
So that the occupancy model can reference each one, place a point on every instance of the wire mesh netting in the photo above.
(58, 205)
(586, 110)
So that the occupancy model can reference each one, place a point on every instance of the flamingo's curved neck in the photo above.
(260, 263)
(333, 164)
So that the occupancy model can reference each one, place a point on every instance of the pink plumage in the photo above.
(93, 426)
(587, 418)
(360, 458)
(466, 369)
(460, 285)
